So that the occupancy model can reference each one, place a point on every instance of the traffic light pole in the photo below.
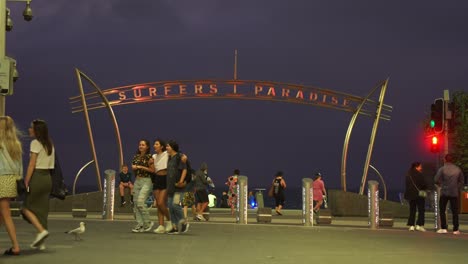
(447, 116)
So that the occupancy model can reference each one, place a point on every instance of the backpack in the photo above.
(190, 171)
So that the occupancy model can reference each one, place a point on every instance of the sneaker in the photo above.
(123, 203)
(411, 228)
(442, 231)
(160, 230)
(41, 246)
(148, 227)
(456, 232)
(173, 232)
(40, 238)
(420, 228)
(179, 225)
(185, 227)
(131, 202)
(200, 217)
(137, 229)
(168, 226)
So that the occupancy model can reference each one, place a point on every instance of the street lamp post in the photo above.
(5, 75)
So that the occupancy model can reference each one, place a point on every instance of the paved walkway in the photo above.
(285, 240)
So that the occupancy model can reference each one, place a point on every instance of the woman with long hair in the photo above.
(414, 183)
(160, 185)
(38, 180)
(142, 165)
(11, 169)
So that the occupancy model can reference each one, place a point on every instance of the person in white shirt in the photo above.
(38, 181)
(160, 186)
(211, 200)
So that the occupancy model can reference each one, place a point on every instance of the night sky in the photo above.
(346, 46)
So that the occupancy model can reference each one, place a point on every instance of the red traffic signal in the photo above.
(435, 144)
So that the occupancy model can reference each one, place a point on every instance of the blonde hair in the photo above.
(9, 138)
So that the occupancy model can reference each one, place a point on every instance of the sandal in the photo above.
(10, 252)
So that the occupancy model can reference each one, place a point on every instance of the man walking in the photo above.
(450, 179)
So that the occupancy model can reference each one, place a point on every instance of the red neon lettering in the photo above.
(152, 91)
(313, 96)
(167, 89)
(258, 89)
(122, 96)
(299, 95)
(285, 92)
(182, 89)
(334, 100)
(213, 89)
(271, 91)
(198, 88)
(137, 93)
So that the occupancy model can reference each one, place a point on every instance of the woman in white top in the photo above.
(38, 181)
(11, 169)
(160, 185)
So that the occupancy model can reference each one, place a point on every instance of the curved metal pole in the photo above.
(348, 136)
(112, 115)
(381, 179)
(372, 139)
(90, 132)
(78, 175)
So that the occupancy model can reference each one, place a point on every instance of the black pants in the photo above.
(419, 204)
(453, 206)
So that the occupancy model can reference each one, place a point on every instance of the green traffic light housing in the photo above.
(432, 123)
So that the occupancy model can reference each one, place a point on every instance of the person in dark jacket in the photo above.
(415, 183)
(450, 179)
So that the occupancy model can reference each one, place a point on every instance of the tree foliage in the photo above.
(460, 129)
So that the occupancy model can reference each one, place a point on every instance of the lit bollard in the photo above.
(307, 202)
(241, 210)
(436, 208)
(109, 191)
(373, 204)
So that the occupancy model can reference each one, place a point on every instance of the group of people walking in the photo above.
(450, 179)
(37, 179)
(167, 176)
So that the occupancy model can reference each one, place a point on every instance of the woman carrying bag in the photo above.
(415, 195)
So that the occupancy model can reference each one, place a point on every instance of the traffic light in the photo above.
(437, 115)
(435, 144)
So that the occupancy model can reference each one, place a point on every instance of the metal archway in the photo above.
(233, 89)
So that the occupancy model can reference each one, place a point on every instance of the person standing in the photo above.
(201, 185)
(176, 182)
(232, 191)
(450, 179)
(142, 165)
(38, 181)
(11, 169)
(160, 186)
(211, 200)
(125, 182)
(278, 192)
(319, 191)
(414, 183)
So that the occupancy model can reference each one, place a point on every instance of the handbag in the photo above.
(20, 187)
(421, 193)
(59, 189)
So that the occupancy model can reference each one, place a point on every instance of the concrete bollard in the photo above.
(386, 219)
(324, 217)
(264, 215)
